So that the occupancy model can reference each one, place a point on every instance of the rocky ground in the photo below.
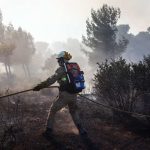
(102, 135)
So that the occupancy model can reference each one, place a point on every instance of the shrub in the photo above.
(118, 83)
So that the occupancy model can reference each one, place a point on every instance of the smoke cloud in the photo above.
(139, 45)
(75, 48)
(32, 62)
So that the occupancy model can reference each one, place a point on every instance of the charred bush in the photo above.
(21, 116)
(11, 118)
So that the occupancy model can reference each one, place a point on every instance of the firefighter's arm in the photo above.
(51, 80)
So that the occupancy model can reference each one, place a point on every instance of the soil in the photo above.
(102, 135)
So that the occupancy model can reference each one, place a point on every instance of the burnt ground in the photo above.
(102, 134)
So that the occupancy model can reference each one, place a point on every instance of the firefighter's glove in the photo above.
(37, 88)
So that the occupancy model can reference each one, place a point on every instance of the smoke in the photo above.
(39, 58)
(139, 45)
(75, 48)
(41, 61)
(23, 52)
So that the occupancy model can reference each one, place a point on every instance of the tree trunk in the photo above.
(28, 71)
(9, 70)
(24, 69)
(6, 71)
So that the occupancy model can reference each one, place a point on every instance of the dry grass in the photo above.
(23, 120)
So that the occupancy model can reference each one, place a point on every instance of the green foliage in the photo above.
(141, 74)
(6, 49)
(148, 29)
(16, 47)
(118, 84)
(24, 47)
(113, 83)
(101, 32)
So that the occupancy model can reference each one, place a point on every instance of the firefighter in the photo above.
(65, 98)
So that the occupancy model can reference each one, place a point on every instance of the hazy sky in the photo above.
(57, 20)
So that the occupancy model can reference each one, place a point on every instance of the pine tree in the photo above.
(6, 46)
(1, 27)
(101, 34)
(24, 50)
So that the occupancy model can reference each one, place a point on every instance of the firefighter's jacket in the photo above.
(59, 76)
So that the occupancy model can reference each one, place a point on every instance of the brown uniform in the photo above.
(64, 99)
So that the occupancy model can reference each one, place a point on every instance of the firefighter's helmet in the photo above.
(65, 55)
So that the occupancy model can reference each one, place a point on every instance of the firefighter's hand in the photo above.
(37, 88)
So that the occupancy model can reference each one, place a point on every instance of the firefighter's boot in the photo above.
(48, 134)
(82, 131)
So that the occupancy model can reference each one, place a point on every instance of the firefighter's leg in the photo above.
(56, 106)
(74, 111)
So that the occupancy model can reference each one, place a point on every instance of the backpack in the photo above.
(76, 82)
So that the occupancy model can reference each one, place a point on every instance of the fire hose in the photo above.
(88, 99)
(23, 92)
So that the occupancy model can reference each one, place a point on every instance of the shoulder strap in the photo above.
(66, 70)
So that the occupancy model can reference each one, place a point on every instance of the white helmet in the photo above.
(65, 55)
